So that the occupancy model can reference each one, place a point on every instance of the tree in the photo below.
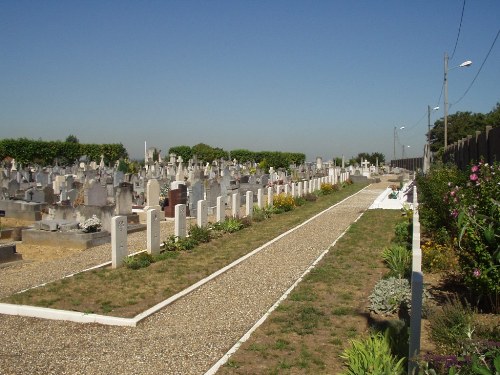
(72, 139)
(185, 152)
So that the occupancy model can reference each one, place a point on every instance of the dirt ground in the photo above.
(34, 252)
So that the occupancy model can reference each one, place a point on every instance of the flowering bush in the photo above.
(91, 225)
(283, 202)
(476, 213)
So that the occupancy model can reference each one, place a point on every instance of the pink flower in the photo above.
(454, 214)
(473, 177)
(474, 168)
(476, 273)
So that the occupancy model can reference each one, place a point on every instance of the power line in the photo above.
(481, 67)
(459, 28)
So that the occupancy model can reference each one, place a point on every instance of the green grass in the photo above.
(307, 333)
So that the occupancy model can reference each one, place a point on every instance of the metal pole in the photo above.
(429, 127)
(445, 100)
(394, 154)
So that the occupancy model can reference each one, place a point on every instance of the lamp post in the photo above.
(464, 64)
(395, 134)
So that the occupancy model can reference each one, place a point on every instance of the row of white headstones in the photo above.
(119, 249)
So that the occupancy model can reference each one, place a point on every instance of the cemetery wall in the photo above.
(483, 145)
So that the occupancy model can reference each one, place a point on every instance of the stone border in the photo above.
(79, 317)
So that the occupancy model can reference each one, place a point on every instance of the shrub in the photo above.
(476, 211)
(229, 225)
(300, 201)
(371, 356)
(389, 295)
(310, 197)
(451, 326)
(261, 214)
(137, 261)
(432, 192)
(326, 189)
(283, 202)
(402, 233)
(200, 234)
(399, 260)
(437, 257)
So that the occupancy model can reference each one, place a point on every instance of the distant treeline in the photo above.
(265, 159)
(27, 151)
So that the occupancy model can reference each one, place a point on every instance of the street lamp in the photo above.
(464, 64)
(395, 133)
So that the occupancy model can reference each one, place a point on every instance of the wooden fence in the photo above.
(483, 145)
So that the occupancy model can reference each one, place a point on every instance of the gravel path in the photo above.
(186, 337)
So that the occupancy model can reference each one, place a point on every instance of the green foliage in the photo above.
(389, 295)
(452, 326)
(465, 346)
(372, 158)
(200, 234)
(261, 214)
(229, 225)
(326, 189)
(403, 233)
(437, 257)
(174, 243)
(432, 191)
(72, 139)
(372, 356)
(398, 259)
(464, 124)
(283, 202)
(184, 152)
(28, 151)
(208, 153)
(137, 261)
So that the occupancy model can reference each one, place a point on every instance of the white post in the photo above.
(118, 240)
(153, 231)
(417, 284)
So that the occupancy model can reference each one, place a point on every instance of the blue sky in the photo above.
(326, 78)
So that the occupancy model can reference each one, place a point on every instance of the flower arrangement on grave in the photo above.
(91, 225)
(164, 193)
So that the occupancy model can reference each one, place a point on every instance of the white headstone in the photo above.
(270, 196)
(153, 231)
(235, 205)
(118, 240)
(221, 210)
(249, 204)
(260, 198)
(202, 213)
(180, 221)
